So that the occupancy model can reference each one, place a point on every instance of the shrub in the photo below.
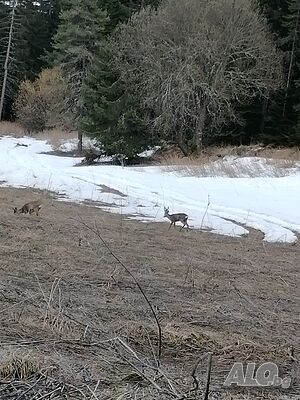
(40, 104)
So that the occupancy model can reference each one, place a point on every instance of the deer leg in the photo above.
(170, 225)
(184, 223)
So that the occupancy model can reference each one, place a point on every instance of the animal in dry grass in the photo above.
(29, 208)
(179, 217)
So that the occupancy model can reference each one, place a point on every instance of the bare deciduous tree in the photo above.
(191, 61)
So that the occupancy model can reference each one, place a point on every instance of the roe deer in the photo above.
(182, 217)
(32, 206)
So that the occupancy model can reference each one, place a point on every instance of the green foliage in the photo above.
(112, 115)
(292, 43)
(79, 34)
(120, 11)
(79, 37)
(108, 107)
(280, 117)
(35, 24)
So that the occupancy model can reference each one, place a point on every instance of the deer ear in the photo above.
(15, 210)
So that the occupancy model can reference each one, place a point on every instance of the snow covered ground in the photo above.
(72, 144)
(221, 204)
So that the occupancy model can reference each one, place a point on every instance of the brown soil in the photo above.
(75, 323)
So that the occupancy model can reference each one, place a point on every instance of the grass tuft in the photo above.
(21, 369)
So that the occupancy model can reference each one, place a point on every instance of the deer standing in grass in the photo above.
(179, 217)
(31, 207)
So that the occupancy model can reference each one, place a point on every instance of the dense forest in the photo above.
(135, 73)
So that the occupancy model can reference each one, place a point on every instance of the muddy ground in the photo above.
(74, 323)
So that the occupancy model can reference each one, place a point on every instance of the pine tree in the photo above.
(79, 36)
(35, 24)
(120, 11)
(113, 115)
(281, 113)
(44, 26)
(7, 55)
(292, 43)
(275, 10)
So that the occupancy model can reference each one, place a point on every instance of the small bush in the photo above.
(40, 103)
(29, 108)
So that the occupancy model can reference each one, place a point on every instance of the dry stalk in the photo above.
(112, 253)
(205, 212)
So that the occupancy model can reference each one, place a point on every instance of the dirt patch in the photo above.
(68, 309)
(107, 189)
(59, 153)
(99, 204)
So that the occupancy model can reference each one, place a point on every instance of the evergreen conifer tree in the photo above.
(113, 115)
(78, 39)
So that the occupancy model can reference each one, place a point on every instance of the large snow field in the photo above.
(220, 204)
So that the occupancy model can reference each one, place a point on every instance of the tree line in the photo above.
(137, 73)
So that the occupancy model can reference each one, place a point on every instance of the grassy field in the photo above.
(74, 324)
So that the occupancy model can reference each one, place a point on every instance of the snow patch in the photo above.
(71, 144)
(222, 205)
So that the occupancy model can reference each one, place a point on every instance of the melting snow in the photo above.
(223, 205)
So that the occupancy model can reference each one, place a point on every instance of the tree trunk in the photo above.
(10, 35)
(264, 114)
(179, 140)
(199, 131)
(79, 145)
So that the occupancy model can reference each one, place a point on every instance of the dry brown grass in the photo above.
(53, 136)
(11, 129)
(18, 368)
(174, 156)
(64, 300)
(225, 168)
(56, 136)
(288, 153)
(213, 162)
